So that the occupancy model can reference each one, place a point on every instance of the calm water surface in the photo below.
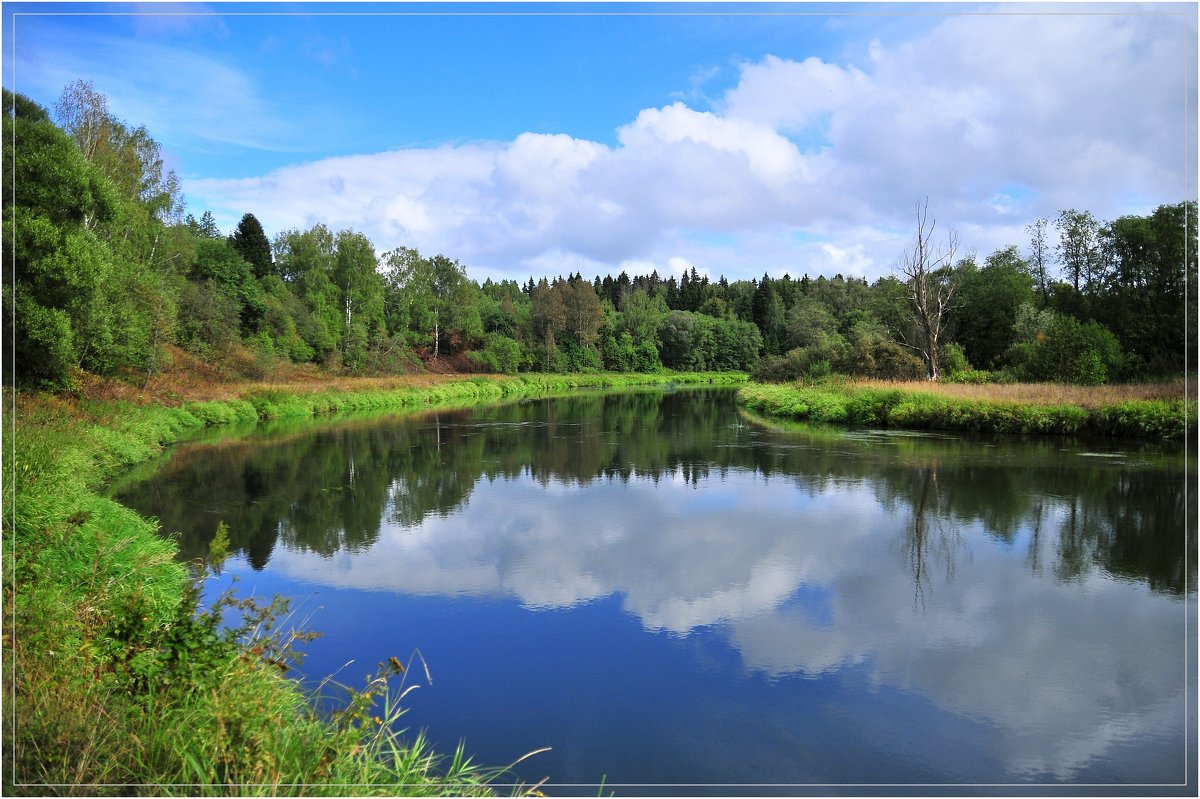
(668, 593)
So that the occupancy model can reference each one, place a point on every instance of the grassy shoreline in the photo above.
(975, 410)
(117, 685)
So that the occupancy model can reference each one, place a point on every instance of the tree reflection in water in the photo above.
(329, 488)
(1012, 586)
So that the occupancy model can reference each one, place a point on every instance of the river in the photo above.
(677, 598)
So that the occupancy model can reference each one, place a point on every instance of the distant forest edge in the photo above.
(108, 271)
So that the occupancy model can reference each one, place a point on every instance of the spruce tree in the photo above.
(250, 241)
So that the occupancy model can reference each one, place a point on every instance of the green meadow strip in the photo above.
(271, 404)
(121, 684)
(858, 406)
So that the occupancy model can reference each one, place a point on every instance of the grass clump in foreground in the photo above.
(867, 404)
(120, 682)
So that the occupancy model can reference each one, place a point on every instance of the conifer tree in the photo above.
(251, 242)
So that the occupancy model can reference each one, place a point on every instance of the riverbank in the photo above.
(119, 683)
(1150, 412)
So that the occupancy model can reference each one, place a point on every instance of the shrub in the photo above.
(952, 359)
(42, 341)
(392, 357)
(1060, 348)
(499, 354)
(973, 376)
(781, 368)
(208, 319)
(1088, 369)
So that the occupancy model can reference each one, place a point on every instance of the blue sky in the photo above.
(739, 139)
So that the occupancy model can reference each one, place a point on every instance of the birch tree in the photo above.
(1039, 257)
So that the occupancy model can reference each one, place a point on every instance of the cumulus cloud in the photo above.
(997, 119)
(665, 550)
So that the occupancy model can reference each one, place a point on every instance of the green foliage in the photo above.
(106, 271)
(1145, 419)
(793, 365)
(208, 319)
(59, 282)
(583, 314)
(218, 263)
(922, 411)
(284, 316)
(990, 297)
(249, 240)
(1055, 347)
(430, 299)
(867, 351)
(1079, 249)
(219, 413)
(695, 342)
(43, 341)
(305, 260)
(620, 353)
(362, 296)
(974, 376)
(769, 314)
(575, 357)
(391, 356)
(953, 360)
(500, 354)
(265, 355)
(1150, 287)
(642, 315)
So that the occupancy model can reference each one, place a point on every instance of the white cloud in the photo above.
(768, 156)
(665, 550)
(1079, 110)
(790, 95)
(180, 95)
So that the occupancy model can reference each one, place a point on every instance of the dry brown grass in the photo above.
(1045, 393)
(188, 378)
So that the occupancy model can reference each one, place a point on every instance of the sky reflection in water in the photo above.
(667, 593)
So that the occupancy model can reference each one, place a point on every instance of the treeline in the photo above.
(108, 269)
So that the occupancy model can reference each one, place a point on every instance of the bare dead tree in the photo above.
(929, 274)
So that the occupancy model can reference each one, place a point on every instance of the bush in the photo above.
(645, 357)
(392, 357)
(1088, 369)
(42, 341)
(952, 359)
(499, 354)
(208, 319)
(781, 368)
(578, 358)
(263, 348)
(871, 352)
(974, 376)
(1059, 348)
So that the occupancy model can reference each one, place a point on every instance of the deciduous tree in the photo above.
(928, 268)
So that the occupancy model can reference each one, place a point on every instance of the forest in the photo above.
(110, 272)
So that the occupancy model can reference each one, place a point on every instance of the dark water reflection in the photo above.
(666, 592)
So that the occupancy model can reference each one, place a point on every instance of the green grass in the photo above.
(120, 684)
(275, 404)
(864, 406)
